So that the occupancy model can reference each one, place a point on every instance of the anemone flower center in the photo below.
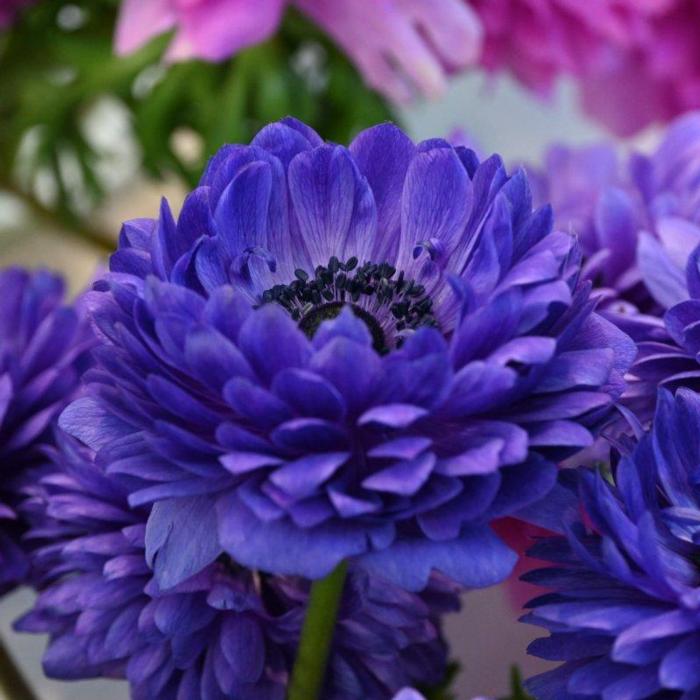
(390, 305)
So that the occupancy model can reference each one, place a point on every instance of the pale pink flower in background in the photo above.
(208, 29)
(402, 47)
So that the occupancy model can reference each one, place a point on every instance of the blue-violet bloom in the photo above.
(624, 603)
(362, 353)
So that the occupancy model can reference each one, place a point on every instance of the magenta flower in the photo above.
(656, 80)
(400, 46)
(538, 40)
(636, 61)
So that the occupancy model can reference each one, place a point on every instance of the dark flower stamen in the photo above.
(370, 290)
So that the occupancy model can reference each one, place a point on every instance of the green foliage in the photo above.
(57, 63)
(517, 692)
(445, 691)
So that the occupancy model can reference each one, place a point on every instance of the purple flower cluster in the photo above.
(224, 632)
(624, 583)
(637, 222)
(361, 353)
(639, 228)
(42, 352)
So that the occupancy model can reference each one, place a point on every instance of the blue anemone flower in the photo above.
(362, 353)
(624, 603)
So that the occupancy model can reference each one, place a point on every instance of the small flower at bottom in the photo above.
(224, 632)
(362, 353)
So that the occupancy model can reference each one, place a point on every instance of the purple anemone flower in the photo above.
(42, 351)
(362, 353)
(225, 632)
(639, 227)
(637, 222)
(624, 583)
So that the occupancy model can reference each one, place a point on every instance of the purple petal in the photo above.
(179, 541)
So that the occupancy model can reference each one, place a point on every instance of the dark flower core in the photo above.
(311, 322)
(390, 305)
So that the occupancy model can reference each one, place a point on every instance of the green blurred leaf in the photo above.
(57, 64)
(517, 691)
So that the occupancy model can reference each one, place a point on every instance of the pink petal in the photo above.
(141, 20)
(401, 46)
(217, 29)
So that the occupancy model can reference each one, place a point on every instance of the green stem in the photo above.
(317, 636)
(101, 240)
(12, 683)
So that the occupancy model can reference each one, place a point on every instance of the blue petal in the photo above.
(333, 204)
(476, 559)
(179, 539)
(280, 546)
(383, 154)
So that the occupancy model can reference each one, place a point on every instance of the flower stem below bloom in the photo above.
(12, 683)
(317, 636)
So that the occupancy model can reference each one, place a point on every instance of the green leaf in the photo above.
(48, 92)
(517, 691)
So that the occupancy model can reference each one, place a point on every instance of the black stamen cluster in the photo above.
(346, 282)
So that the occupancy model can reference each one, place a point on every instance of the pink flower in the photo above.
(636, 61)
(537, 40)
(209, 29)
(401, 46)
(520, 537)
(657, 79)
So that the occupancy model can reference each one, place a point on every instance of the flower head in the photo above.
(363, 353)
(638, 226)
(635, 62)
(400, 46)
(625, 584)
(42, 351)
(225, 631)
